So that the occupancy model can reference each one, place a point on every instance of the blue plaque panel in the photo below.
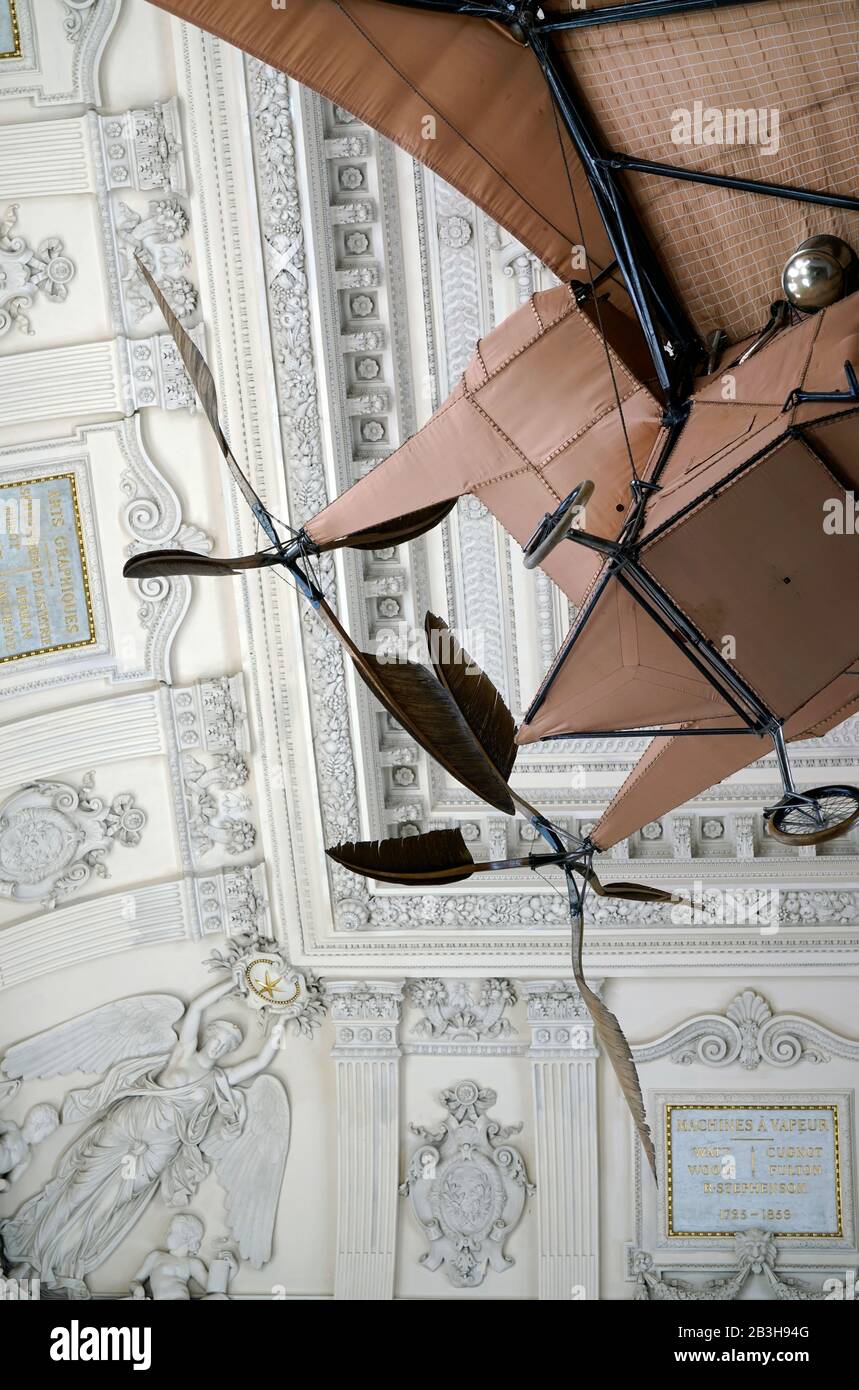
(735, 1167)
(45, 601)
(10, 42)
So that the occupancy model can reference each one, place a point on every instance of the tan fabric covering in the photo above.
(754, 564)
(623, 672)
(724, 558)
(799, 58)
(740, 509)
(673, 770)
(495, 139)
(534, 415)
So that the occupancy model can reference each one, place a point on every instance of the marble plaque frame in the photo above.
(13, 32)
(76, 468)
(843, 1101)
(57, 647)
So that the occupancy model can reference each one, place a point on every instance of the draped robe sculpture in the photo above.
(165, 1106)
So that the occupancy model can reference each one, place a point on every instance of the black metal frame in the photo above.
(672, 341)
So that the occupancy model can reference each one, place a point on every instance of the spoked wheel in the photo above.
(812, 817)
(555, 526)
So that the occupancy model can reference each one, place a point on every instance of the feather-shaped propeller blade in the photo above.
(155, 564)
(419, 702)
(612, 1039)
(440, 856)
(474, 695)
(204, 385)
(403, 528)
(632, 892)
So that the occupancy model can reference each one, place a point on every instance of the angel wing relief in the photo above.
(169, 1106)
(663, 434)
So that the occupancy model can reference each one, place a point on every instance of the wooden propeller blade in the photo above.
(474, 695)
(439, 856)
(155, 564)
(613, 1041)
(397, 532)
(419, 702)
(203, 383)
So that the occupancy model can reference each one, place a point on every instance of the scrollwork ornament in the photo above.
(467, 1187)
(55, 836)
(755, 1253)
(25, 272)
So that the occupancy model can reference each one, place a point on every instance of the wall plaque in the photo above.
(45, 600)
(10, 37)
(734, 1166)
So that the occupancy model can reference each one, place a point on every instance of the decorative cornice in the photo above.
(366, 1015)
(755, 1252)
(455, 1016)
(749, 1033)
(233, 902)
(211, 717)
(364, 1000)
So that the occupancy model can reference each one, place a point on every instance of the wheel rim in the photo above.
(833, 811)
(579, 497)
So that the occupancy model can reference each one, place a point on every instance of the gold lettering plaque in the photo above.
(45, 599)
(737, 1167)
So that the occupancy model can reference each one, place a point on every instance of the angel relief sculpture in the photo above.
(168, 1103)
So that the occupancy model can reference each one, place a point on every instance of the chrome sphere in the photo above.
(816, 273)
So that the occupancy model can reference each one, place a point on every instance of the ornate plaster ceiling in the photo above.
(337, 290)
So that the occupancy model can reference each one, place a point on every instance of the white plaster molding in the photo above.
(151, 915)
(748, 1033)
(28, 272)
(43, 159)
(116, 377)
(56, 383)
(119, 728)
(156, 235)
(366, 1016)
(54, 837)
(566, 1121)
(210, 717)
(142, 148)
(467, 1186)
(755, 1252)
(50, 71)
(153, 374)
(232, 902)
(455, 1018)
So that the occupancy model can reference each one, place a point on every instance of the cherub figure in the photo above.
(18, 1141)
(171, 1272)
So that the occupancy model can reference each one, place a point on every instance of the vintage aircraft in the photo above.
(669, 462)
